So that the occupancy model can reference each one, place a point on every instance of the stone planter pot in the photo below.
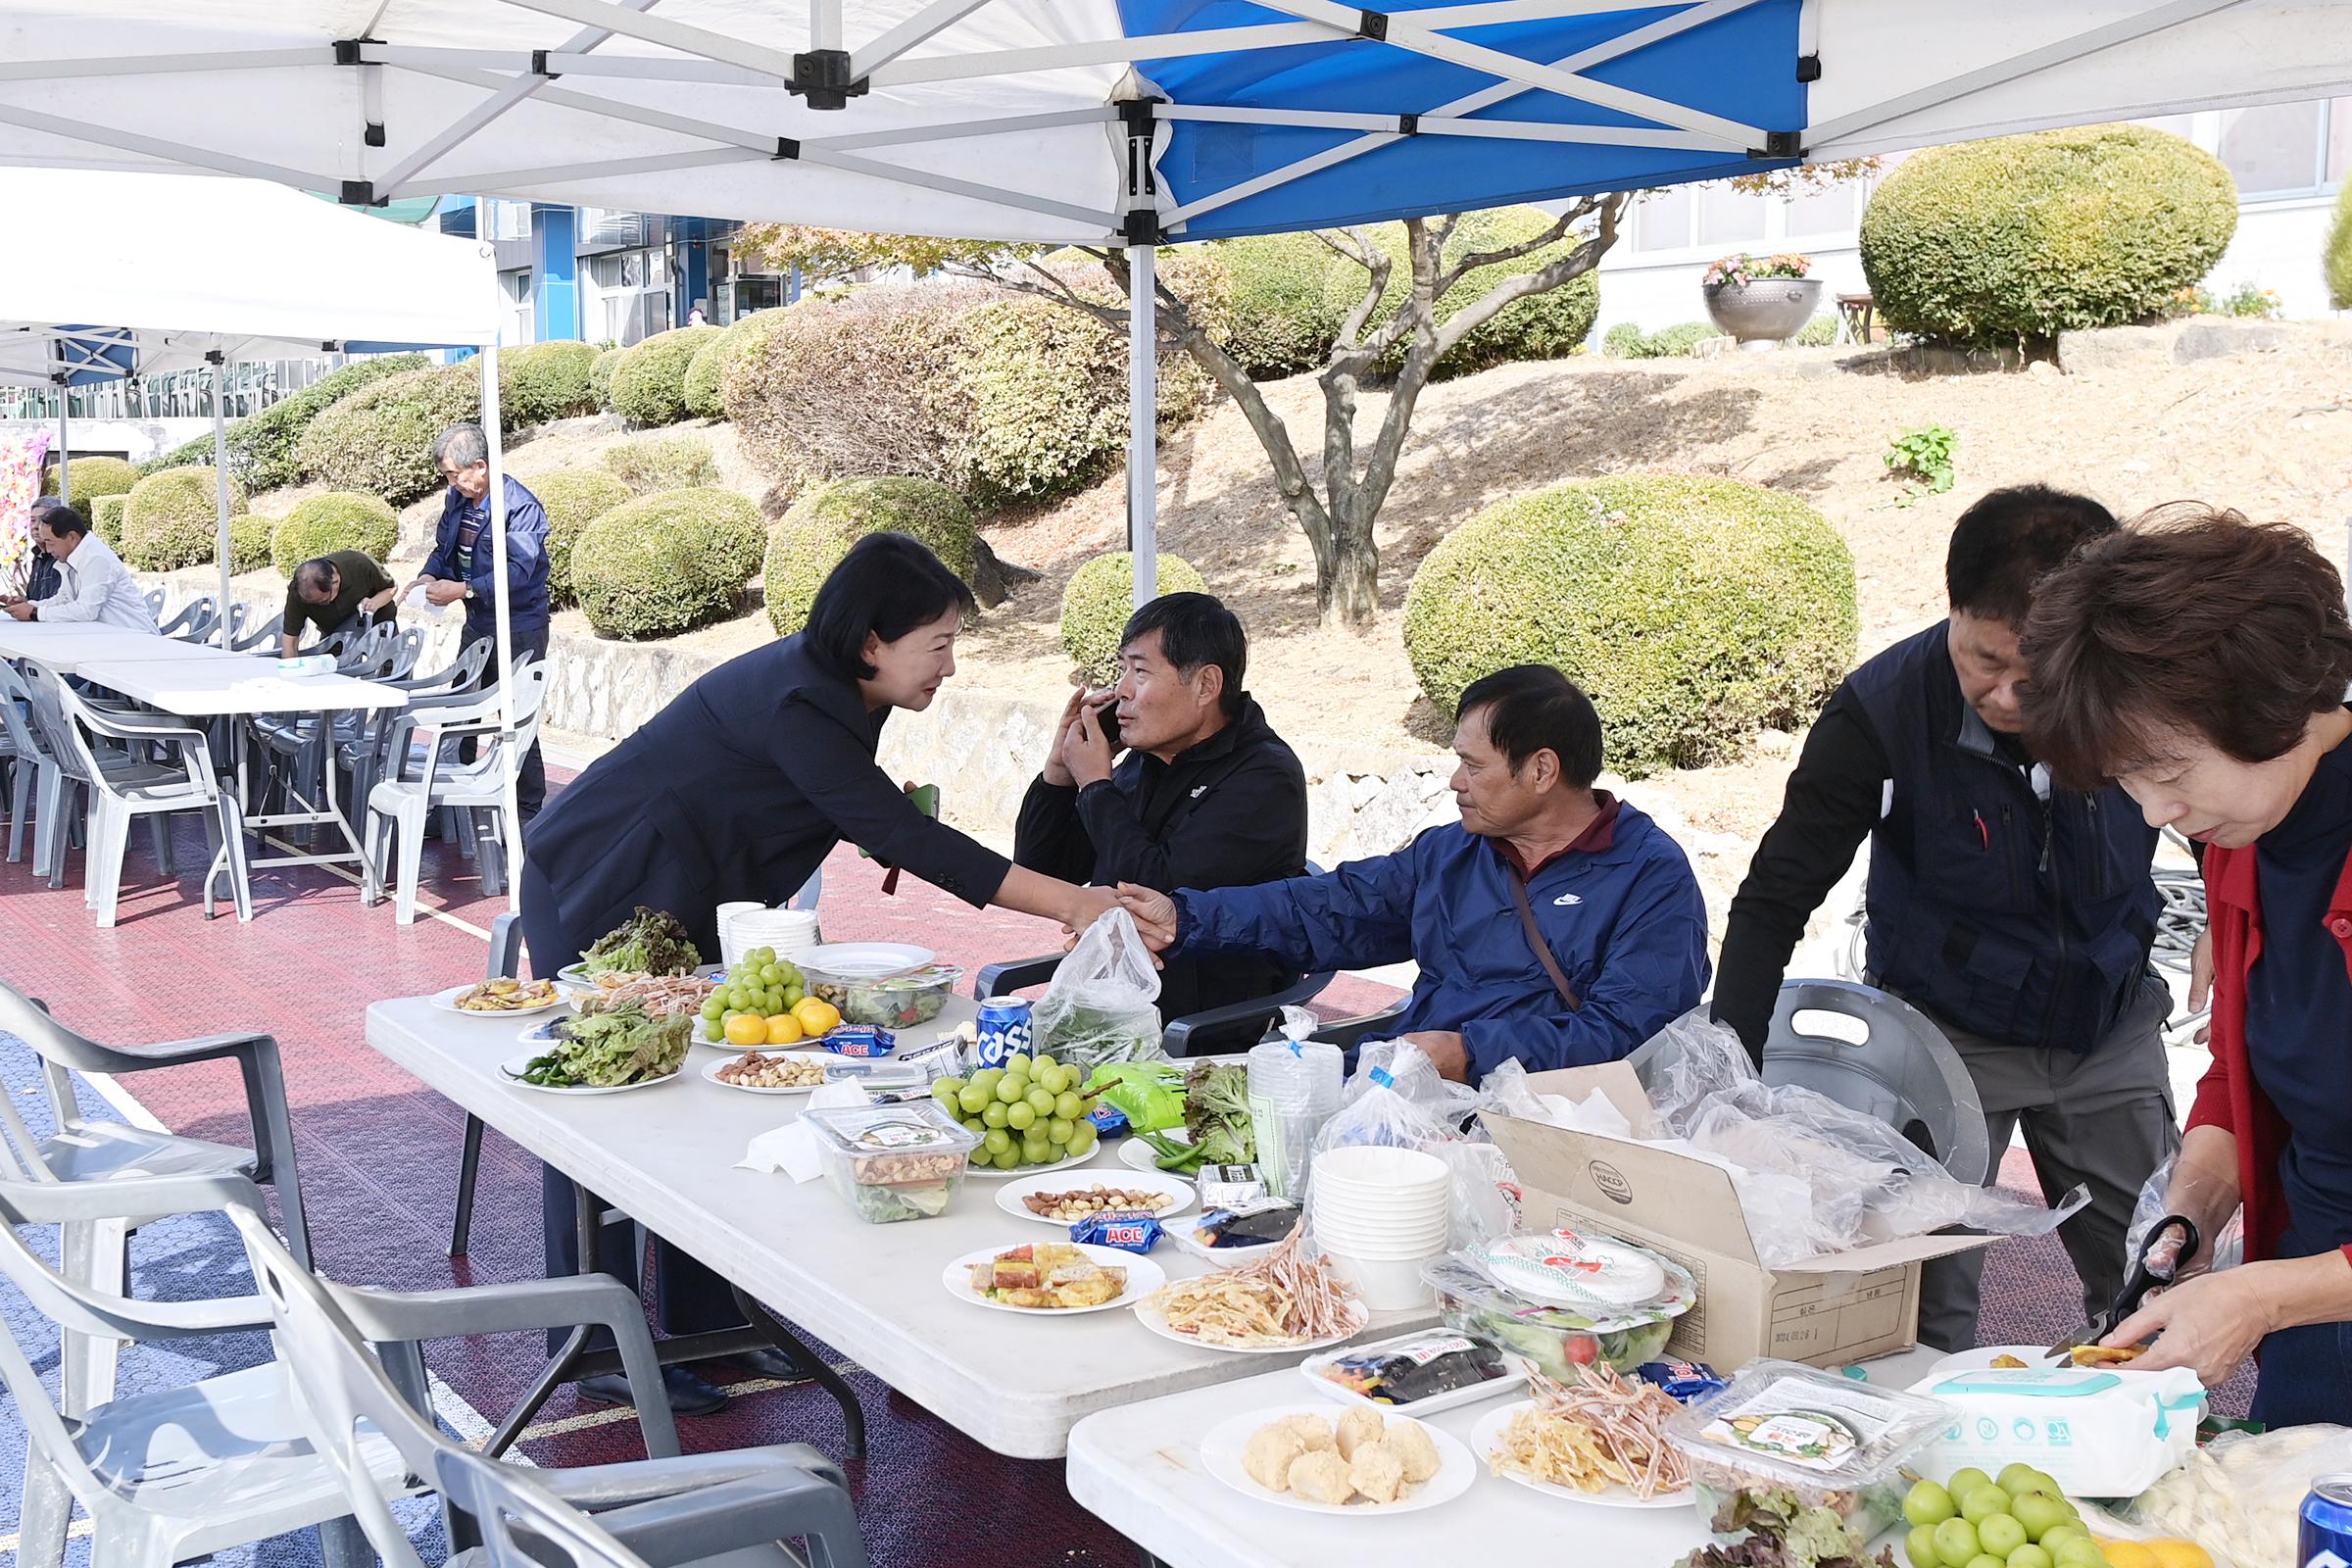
(1764, 312)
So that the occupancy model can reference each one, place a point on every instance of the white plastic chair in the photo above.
(125, 786)
(27, 758)
(66, 767)
(404, 804)
(738, 1506)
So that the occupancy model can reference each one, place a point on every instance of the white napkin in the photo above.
(418, 601)
(793, 1148)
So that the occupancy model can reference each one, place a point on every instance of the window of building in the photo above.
(1662, 219)
(505, 220)
(629, 295)
(2277, 148)
(1728, 217)
(1836, 211)
(515, 288)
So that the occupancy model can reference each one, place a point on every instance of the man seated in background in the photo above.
(42, 580)
(94, 587)
(1208, 795)
(329, 591)
(1555, 926)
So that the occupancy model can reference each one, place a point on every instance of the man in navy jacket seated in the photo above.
(1609, 894)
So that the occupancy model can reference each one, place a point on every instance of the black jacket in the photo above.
(1228, 812)
(737, 790)
(1996, 902)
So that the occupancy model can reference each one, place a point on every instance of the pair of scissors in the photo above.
(2143, 1278)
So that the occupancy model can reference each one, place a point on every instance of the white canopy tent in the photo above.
(170, 270)
(1129, 122)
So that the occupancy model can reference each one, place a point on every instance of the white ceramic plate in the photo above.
(447, 1002)
(1489, 1431)
(865, 960)
(512, 1068)
(1142, 1278)
(1136, 1154)
(1150, 1318)
(1175, 1193)
(990, 1173)
(822, 1058)
(1181, 1233)
(1514, 1374)
(1222, 1447)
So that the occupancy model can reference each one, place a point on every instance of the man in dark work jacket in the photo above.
(1207, 796)
(2014, 914)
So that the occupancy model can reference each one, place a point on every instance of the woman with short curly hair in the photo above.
(2202, 661)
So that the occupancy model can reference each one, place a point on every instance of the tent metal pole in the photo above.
(65, 441)
(1142, 420)
(510, 757)
(219, 367)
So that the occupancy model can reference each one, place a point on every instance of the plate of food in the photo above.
(648, 942)
(1137, 1154)
(1420, 1373)
(1281, 1301)
(1055, 1200)
(1060, 1277)
(600, 1053)
(1356, 1462)
(657, 994)
(772, 1072)
(500, 999)
(1611, 1452)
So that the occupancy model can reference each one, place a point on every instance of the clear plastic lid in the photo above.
(1799, 1426)
(865, 1131)
(1471, 1276)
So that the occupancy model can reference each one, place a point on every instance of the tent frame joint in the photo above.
(787, 150)
(539, 66)
(1141, 227)
(1808, 68)
(1408, 125)
(1372, 25)
(360, 193)
(822, 77)
(1779, 144)
(347, 50)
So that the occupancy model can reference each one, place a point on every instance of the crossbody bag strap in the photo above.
(1543, 949)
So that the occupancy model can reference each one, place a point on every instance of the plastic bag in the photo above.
(1815, 1176)
(2226, 1250)
(1103, 1004)
(1397, 1100)
(1295, 1086)
(1150, 1094)
(2241, 1495)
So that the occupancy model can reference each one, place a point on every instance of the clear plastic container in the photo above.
(888, 1002)
(1836, 1443)
(1555, 1340)
(892, 1162)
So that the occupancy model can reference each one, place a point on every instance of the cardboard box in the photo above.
(1825, 1310)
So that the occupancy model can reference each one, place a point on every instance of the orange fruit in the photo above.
(817, 1016)
(2175, 1553)
(783, 1029)
(2130, 1554)
(746, 1029)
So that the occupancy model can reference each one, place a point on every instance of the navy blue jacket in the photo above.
(1624, 920)
(737, 790)
(526, 562)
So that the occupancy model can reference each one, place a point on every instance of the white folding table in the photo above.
(72, 651)
(235, 686)
(1138, 1468)
(665, 1155)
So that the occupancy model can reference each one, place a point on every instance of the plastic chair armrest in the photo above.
(619, 1486)
(701, 1525)
(139, 1198)
(996, 979)
(1177, 1039)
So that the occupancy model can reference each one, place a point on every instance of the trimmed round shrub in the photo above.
(1284, 319)
(1100, 599)
(106, 519)
(1693, 611)
(653, 463)
(261, 446)
(2023, 237)
(599, 377)
(572, 499)
(173, 520)
(2336, 261)
(94, 477)
(379, 440)
(649, 384)
(666, 564)
(338, 519)
(249, 539)
(539, 382)
(808, 541)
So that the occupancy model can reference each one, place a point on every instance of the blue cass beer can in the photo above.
(1004, 1030)
(2326, 1536)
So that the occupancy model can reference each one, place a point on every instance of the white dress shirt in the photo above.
(96, 588)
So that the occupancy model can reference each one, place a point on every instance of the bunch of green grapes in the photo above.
(2022, 1520)
(762, 984)
(1027, 1112)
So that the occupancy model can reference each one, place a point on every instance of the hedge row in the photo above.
(649, 383)
(335, 519)
(572, 499)
(808, 541)
(539, 382)
(651, 462)
(173, 520)
(380, 438)
(2023, 237)
(666, 564)
(262, 447)
(93, 477)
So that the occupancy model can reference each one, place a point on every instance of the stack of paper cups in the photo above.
(730, 950)
(1379, 1214)
(791, 932)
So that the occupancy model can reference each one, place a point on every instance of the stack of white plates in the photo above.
(1379, 1215)
(728, 949)
(791, 932)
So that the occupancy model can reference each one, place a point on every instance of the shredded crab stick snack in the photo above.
(1282, 1298)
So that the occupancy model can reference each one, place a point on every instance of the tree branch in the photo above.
(1470, 317)
(1558, 231)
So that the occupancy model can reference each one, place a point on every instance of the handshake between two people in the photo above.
(1154, 912)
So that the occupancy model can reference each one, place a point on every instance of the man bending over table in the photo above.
(1555, 926)
(332, 591)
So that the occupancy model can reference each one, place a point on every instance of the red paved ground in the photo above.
(379, 1153)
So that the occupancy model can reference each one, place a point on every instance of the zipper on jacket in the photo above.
(2017, 891)
(2050, 837)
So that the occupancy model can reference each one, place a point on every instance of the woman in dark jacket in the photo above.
(738, 790)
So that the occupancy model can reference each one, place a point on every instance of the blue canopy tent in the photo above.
(1124, 122)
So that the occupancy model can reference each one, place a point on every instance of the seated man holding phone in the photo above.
(1208, 795)
(1554, 925)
